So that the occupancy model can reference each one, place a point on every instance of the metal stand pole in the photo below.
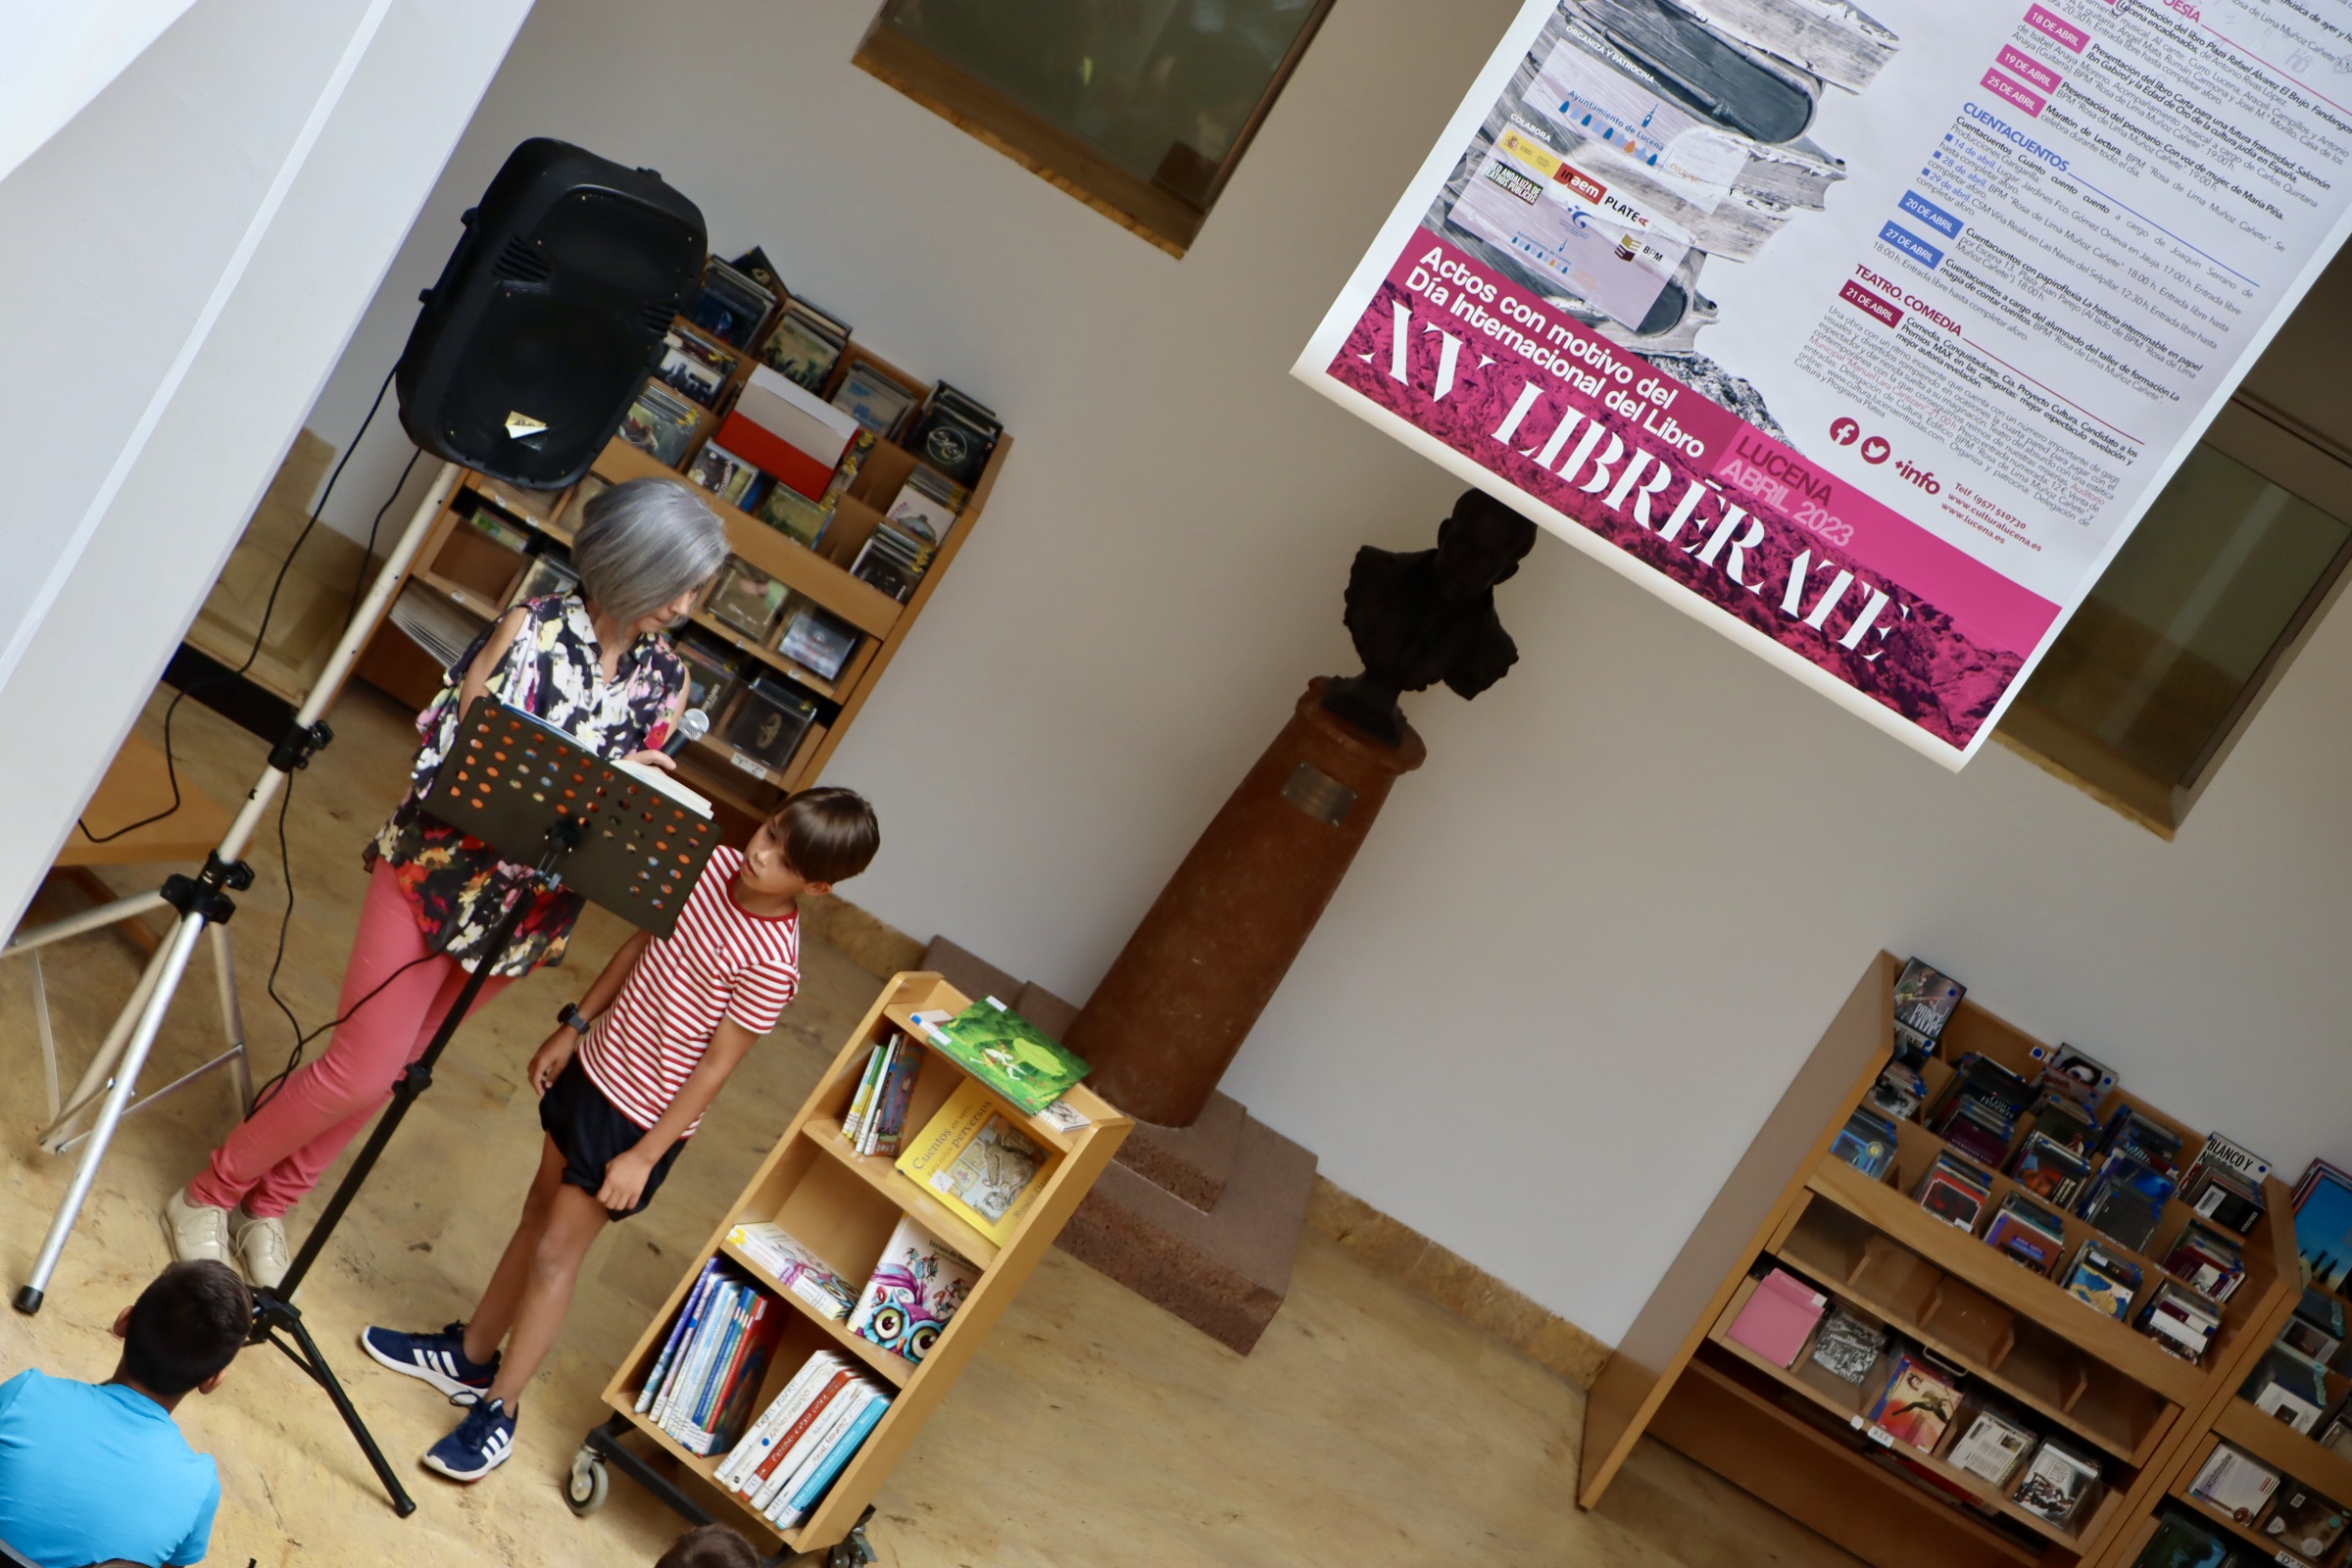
(276, 1320)
(203, 901)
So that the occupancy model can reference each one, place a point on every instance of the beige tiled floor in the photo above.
(1369, 1428)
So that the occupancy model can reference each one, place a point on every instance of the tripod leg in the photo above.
(40, 1014)
(232, 1021)
(73, 925)
(174, 960)
(110, 1053)
(232, 1016)
(304, 1353)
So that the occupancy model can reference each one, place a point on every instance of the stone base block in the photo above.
(1195, 1162)
(1226, 1270)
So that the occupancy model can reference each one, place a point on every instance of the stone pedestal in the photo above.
(1202, 1220)
(1224, 1268)
(1182, 994)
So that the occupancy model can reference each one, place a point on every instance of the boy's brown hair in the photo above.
(187, 1324)
(828, 834)
(709, 1547)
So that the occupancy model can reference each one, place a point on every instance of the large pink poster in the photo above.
(1864, 336)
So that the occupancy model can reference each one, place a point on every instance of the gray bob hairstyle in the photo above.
(642, 543)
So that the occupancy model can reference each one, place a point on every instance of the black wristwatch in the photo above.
(572, 1016)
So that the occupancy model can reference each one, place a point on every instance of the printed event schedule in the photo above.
(1864, 334)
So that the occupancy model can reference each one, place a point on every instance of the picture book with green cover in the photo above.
(1010, 1054)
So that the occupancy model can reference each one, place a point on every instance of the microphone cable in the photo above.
(262, 632)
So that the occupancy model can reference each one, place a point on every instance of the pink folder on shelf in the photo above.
(1778, 1318)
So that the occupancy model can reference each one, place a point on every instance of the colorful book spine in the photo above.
(792, 1425)
(830, 1464)
(723, 1355)
(734, 1415)
(868, 1083)
(779, 1413)
(700, 1345)
(776, 1501)
(781, 1467)
(656, 1383)
(697, 1429)
(886, 1127)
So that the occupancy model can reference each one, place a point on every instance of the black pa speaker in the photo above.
(533, 344)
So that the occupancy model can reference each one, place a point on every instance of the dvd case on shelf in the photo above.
(695, 366)
(819, 643)
(875, 399)
(767, 721)
(746, 599)
(730, 307)
(661, 422)
(733, 480)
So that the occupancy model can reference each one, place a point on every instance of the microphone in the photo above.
(693, 726)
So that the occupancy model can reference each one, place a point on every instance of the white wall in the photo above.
(181, 265)
(1591, 940)
(56, 55)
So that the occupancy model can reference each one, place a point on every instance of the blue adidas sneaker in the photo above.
(435, 1358)
(479, 1446)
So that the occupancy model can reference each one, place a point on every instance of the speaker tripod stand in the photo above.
(276, 1320)
(204, 906)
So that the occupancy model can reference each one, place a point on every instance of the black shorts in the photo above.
(592, 1133)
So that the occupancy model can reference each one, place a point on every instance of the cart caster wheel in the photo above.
(588, 1485)
(853, 1551)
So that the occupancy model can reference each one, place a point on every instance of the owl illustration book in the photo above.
(915, 1289)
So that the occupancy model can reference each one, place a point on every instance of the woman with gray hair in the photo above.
(594, 664)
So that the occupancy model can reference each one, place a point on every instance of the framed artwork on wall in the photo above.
(1142, 109)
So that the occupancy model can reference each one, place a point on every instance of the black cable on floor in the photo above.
(269, 608)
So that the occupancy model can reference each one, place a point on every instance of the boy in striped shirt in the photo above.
(624, 1083)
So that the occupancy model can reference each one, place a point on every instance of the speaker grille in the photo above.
(654, 321)
(518, 262)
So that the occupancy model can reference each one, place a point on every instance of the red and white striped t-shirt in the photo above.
(719, 962)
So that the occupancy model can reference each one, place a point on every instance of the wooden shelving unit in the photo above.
(465, 570)
(1801, 1438)
(2297, 1456)
(843, 1206)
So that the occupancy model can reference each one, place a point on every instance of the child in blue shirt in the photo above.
(98, 1472)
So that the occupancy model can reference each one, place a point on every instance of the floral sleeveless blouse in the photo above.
(458, 884)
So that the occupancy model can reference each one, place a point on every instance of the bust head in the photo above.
(1480, 545)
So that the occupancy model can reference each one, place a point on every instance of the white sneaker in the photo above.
(196, 1233)
(261, 1246)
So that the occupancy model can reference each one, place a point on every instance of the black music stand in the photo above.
(534, 794)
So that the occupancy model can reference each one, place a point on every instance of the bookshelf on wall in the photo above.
(2293, 1450)
(483, 550)
(1803, 1440)
(843, 1207)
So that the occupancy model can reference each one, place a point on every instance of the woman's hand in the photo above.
(625, 1177)
(549, 1060)
(660, 760)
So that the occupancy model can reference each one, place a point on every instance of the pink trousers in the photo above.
(279, 1154)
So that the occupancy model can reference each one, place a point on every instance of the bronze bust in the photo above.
(1428, 615)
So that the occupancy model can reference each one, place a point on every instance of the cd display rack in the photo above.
(465, 578)
(1803, 1440)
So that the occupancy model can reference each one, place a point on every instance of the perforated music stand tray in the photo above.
(531, 793)
(516, 782)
